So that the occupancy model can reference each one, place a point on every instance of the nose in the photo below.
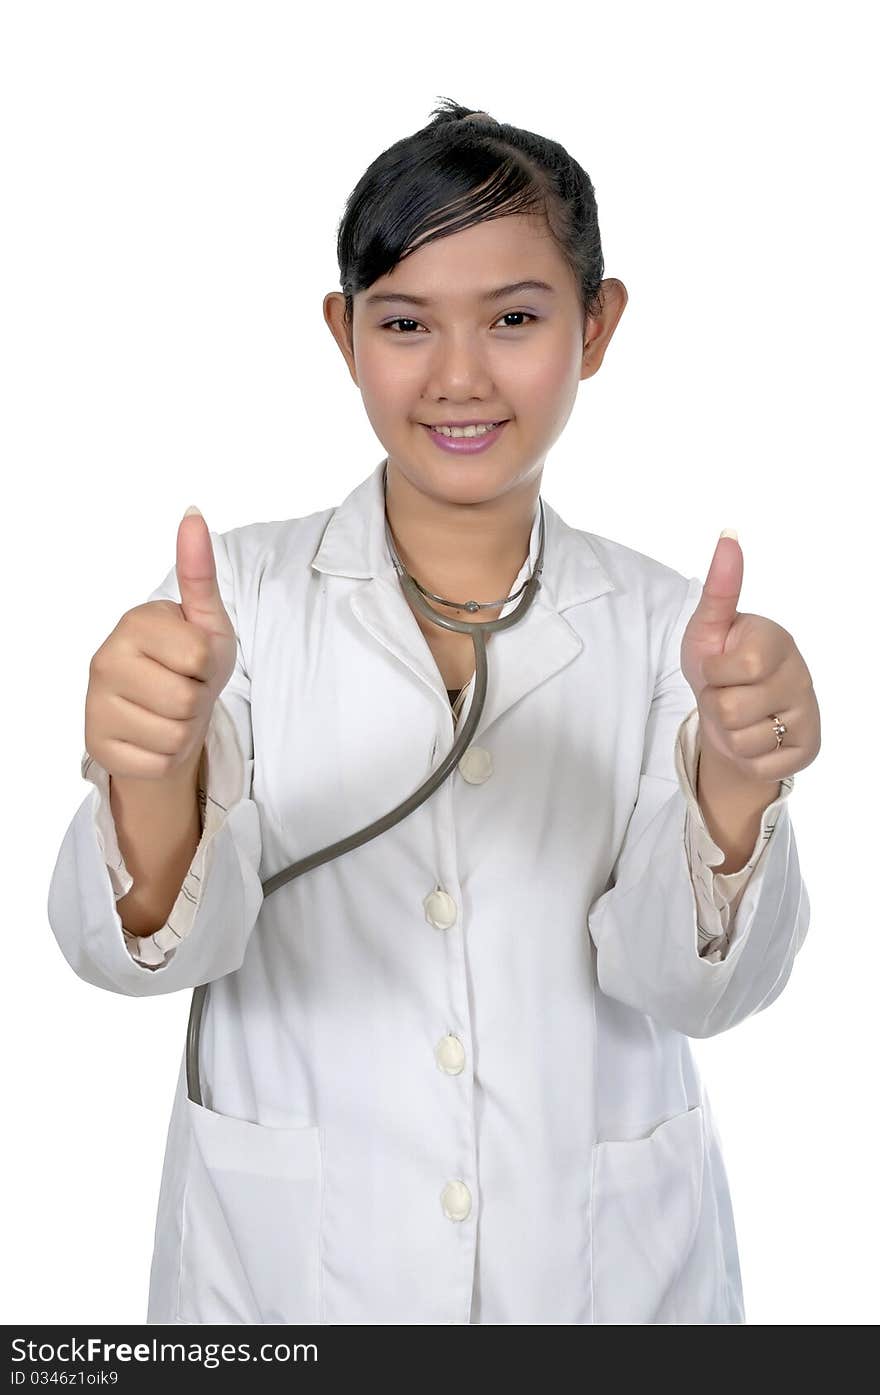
(459, 371)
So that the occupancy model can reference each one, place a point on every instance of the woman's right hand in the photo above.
(154, 681)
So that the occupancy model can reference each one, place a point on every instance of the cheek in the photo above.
(384, 380)
(548, 379)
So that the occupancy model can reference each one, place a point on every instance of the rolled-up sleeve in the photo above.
(221, 784)
(718, 894)
(207, 930)
(651, 952)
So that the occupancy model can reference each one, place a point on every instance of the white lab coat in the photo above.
(447, 1076)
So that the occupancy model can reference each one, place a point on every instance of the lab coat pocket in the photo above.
(250, 1230)
(656, 1255)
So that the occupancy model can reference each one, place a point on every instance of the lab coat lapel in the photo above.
(520, 658)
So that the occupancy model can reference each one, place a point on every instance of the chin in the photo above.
(466, 481)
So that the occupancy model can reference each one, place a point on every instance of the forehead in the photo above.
(462, 267)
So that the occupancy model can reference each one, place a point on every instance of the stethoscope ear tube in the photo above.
(478, 632)
(354, 840)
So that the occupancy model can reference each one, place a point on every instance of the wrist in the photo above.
(732, 807)
(723, 772)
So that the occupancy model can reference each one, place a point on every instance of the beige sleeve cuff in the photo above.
(220, 786)
(718, 896)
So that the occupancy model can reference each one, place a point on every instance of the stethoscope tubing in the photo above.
(478, 632)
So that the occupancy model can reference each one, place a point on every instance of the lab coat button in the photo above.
(456, 1201)
(440, 909)
(476, 765)
(450, 1055)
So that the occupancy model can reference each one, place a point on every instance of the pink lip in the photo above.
(465, 445)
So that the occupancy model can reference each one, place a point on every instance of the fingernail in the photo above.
(729, 533)
(192, 509)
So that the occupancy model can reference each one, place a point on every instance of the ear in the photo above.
(599, 328)
(334, 314)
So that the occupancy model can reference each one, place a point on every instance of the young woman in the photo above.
(445, 1076)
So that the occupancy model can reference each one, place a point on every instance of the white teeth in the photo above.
(466, 430)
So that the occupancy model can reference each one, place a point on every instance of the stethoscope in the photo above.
(477, 633)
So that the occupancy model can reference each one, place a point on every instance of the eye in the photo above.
(402, 321)
(398, 322)
(521, 313)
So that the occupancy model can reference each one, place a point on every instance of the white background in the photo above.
(173, 175)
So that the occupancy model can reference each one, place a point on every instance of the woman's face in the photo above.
(432, 345)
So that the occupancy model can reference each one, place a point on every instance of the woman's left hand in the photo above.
(743, 670)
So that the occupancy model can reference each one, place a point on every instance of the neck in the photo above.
(461, 551)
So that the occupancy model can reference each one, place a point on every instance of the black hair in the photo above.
(484, 169)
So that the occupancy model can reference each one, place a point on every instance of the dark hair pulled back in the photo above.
(464, 167)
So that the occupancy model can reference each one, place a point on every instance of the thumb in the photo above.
(200, 598)
(716, 610)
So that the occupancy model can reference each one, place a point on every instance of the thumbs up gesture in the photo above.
(744, 671)
(201, 603)
(154, 681)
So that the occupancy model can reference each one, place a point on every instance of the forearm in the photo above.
(158, 827)
(732, 807)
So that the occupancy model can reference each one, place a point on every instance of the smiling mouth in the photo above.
(432, 424)
(469, 432)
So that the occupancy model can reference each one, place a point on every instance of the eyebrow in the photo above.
(498, 294)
